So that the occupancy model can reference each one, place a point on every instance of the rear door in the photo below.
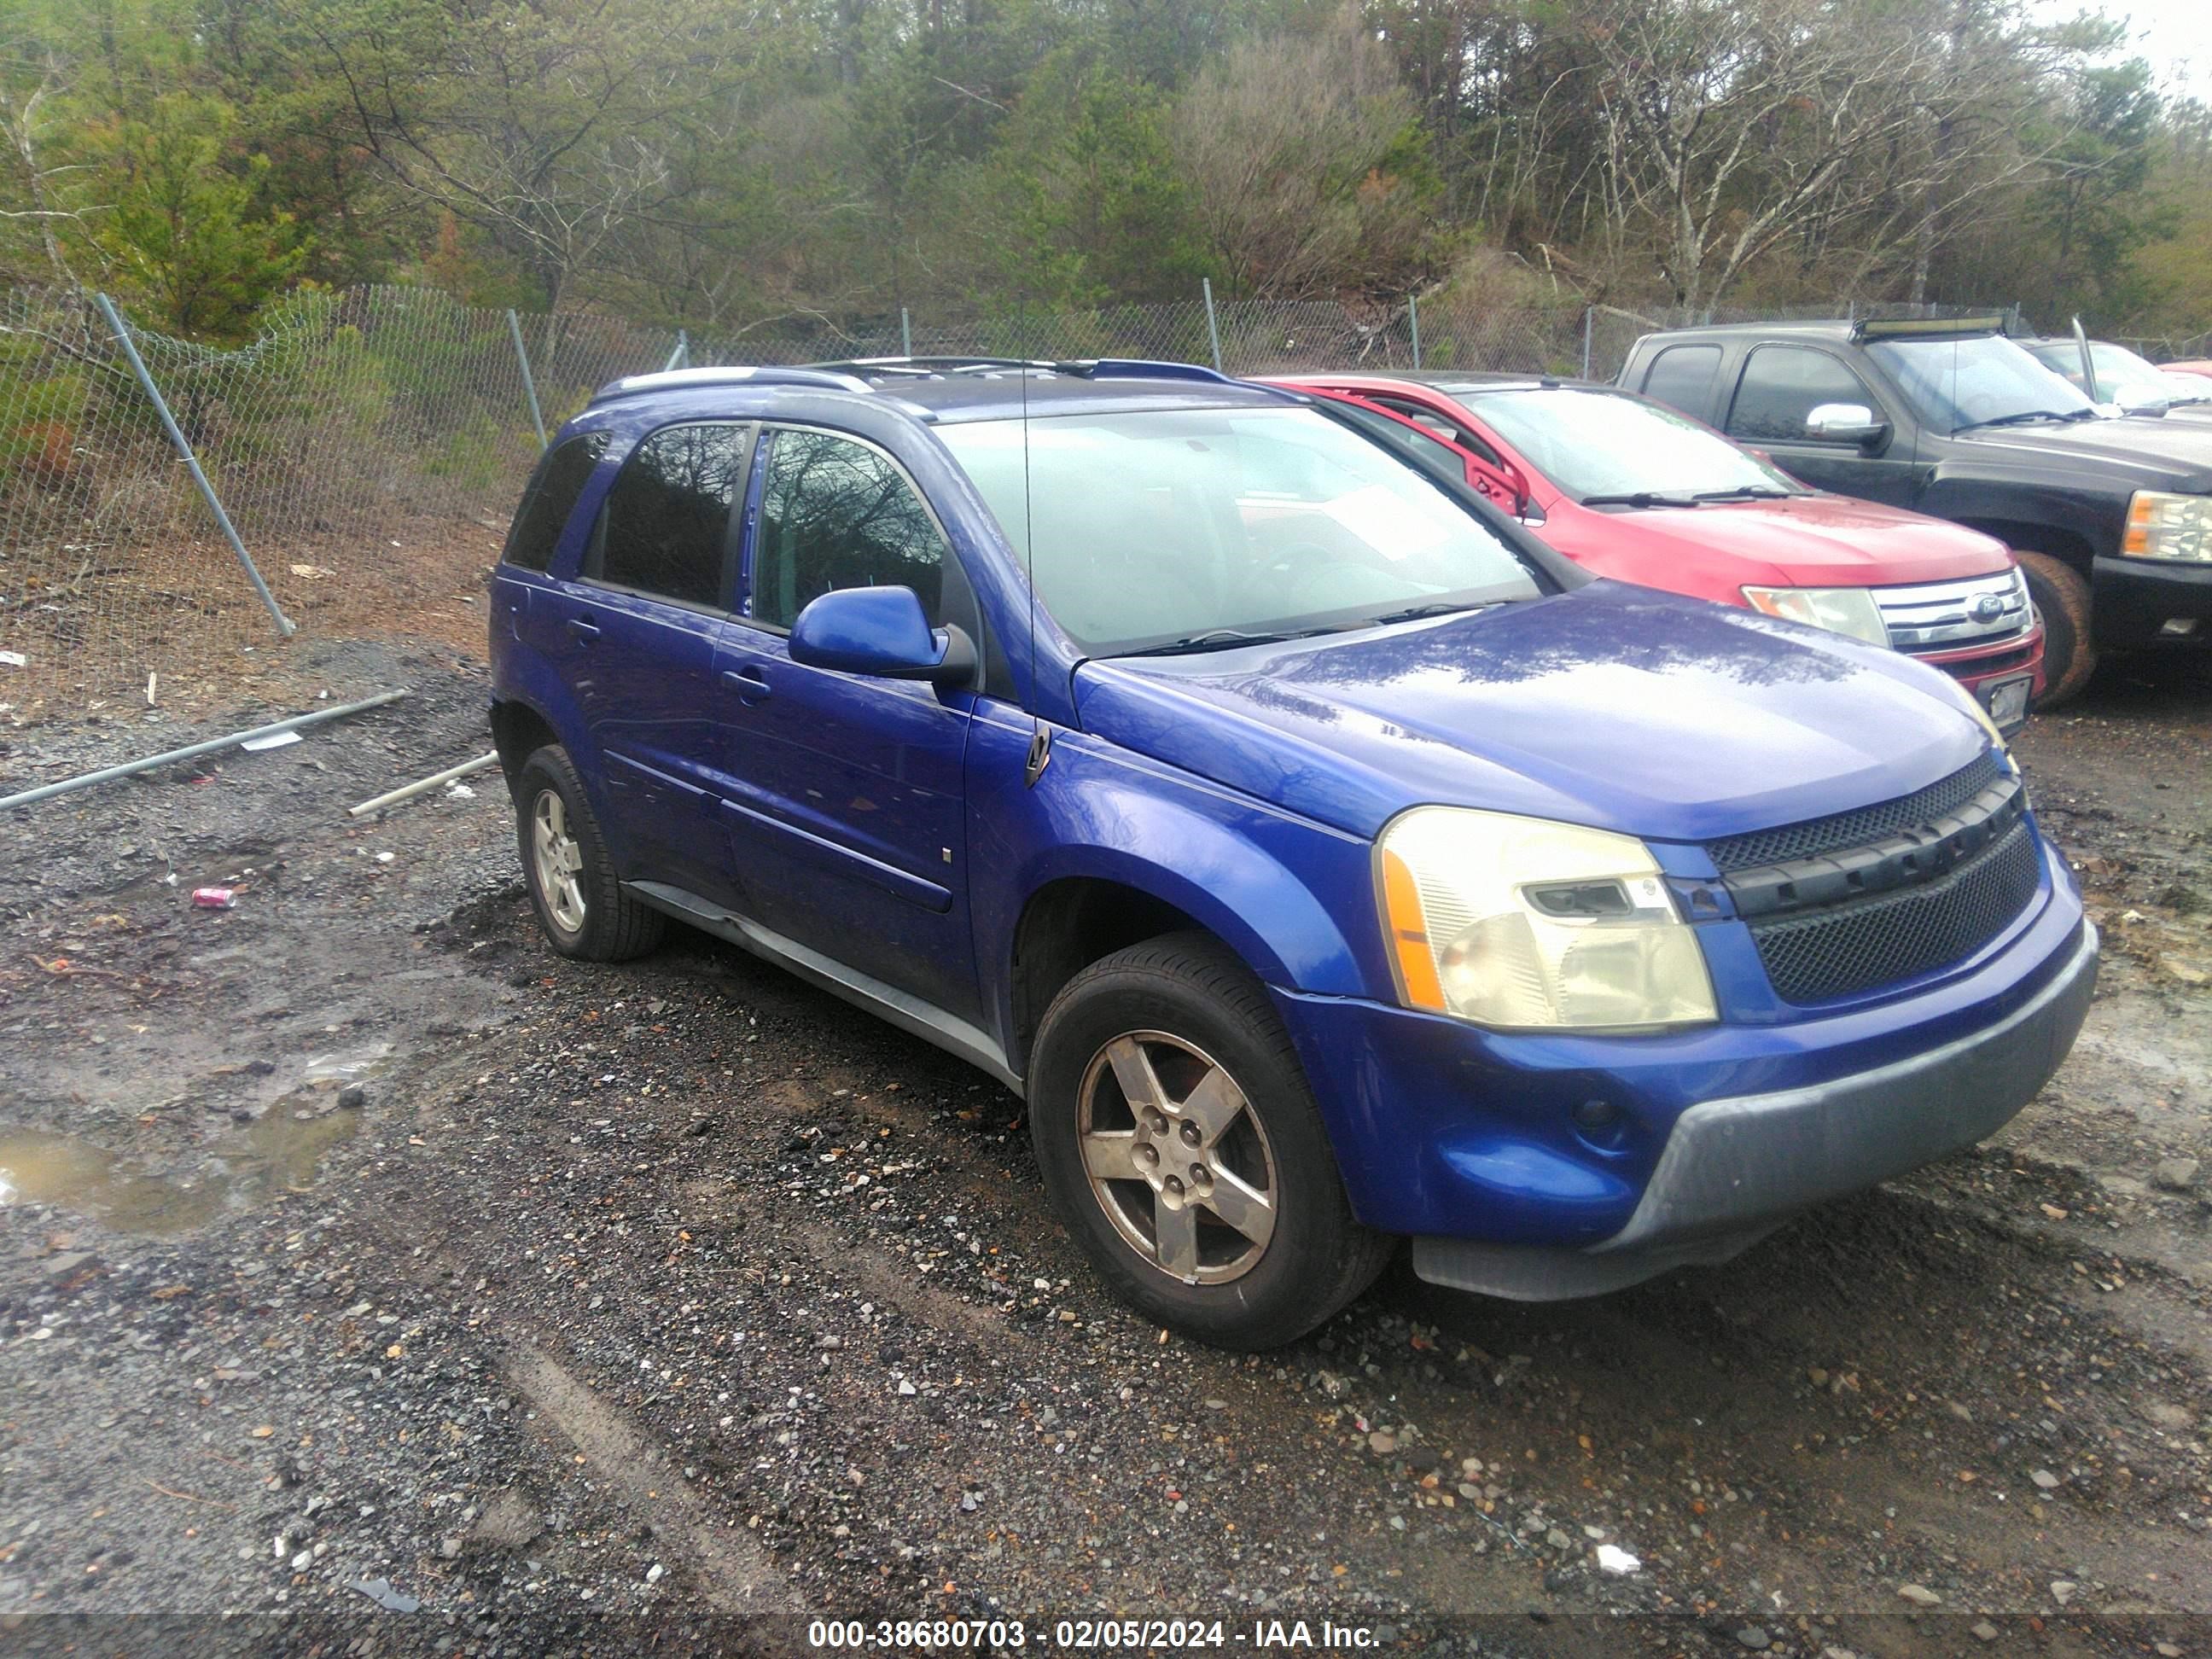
(845, 816)
(1775, 395)
(641, 623)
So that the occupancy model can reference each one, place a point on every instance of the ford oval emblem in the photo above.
(1988, 608)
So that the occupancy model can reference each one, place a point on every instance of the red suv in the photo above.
(1636, 491)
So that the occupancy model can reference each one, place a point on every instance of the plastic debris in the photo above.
(1611, 1559)
(14, 659)
(379, 1591)
(274, 740)
(214, 898)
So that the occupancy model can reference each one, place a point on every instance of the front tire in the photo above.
(574, 886)
(1179, 1143)
(2061, 598)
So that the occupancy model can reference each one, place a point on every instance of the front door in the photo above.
(1780, 387)
(642, 622)
(844, 808)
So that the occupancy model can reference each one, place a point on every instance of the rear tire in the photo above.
(574, 888)
(2060, 597)
(1182, 1145)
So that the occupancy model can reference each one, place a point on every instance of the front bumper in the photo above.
(2135, 598)
(1541, 1165)
(1735, 1170)
(1978, 666)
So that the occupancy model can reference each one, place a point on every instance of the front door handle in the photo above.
(583, 629)
(750, 684)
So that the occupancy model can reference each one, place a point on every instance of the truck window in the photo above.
(1683, 376)
(664, 527)
(1784, 384)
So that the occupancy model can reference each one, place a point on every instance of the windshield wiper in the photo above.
(1219, 639)
(1640, 498)
(2024, 415)
(1745, 493)
(1433, 608)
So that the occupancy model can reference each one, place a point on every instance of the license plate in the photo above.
(2007, 702)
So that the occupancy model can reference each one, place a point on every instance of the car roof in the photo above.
(947, 390)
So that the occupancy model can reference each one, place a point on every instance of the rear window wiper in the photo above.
(1747, 493)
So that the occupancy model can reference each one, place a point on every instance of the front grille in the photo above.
(1829, 834)
(1871, 942)
(1943, 616)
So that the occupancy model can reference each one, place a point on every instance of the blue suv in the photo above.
(1325, 861)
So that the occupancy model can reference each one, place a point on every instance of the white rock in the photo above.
(1611, 1558)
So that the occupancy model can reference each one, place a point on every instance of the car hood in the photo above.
(2159, 454)
(1823, 541)
(1615, 706)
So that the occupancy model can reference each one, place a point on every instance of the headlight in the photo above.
(1525, 923)
(1840, 609)
(2163, 526)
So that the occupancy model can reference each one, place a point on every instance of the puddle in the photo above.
(277, 1153)
(349, 1065)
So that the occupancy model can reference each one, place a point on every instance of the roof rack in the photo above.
(825, 379)
(933, 368)
(1906, 328)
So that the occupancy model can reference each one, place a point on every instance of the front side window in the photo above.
(1683, 375)
(549, 498)
(664, 529)
(1782, 385)
(1167, 527)
(836, 514)
(1976, 379)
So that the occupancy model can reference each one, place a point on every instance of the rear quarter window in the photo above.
(549, 498)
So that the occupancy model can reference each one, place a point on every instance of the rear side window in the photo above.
(836, 513)
(664, 529)
(1783, 385)
(1683, 376)
(549, 498)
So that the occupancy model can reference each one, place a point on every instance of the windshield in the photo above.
(2122, 377)
(1972, 379)
(1170, 525)
(1604, 443)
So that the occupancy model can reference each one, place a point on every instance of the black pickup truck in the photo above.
(2111, 519)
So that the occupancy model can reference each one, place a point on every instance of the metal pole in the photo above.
(1212, 330)
(906, 333)
(125, 770)
(529, 386)
(191, 463)
(1589, 313)
(423, 787)
(679, 358)
(1414, 314)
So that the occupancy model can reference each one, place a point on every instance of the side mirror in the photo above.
(1845, 423)
(1502, 487)
(882, 631)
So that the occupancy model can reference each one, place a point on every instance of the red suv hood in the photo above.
(1821, 541)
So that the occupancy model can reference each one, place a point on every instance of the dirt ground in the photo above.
(368, 1274)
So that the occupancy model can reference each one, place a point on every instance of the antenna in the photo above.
(1040, 737)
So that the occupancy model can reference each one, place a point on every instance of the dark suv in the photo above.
(1325, 859)
(2111, 519)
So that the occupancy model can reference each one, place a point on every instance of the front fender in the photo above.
(1294, 899)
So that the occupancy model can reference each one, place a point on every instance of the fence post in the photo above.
(191, 462)
(1414, 316)
(906, 333)
(1589, 313)
(529, 386)
(1212, 330)
(679, 358)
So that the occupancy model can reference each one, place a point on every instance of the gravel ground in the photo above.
(367, 1272)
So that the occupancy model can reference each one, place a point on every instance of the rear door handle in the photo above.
(750, 684)
(583, 629)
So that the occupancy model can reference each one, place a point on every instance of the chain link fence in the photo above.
(370, 445)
